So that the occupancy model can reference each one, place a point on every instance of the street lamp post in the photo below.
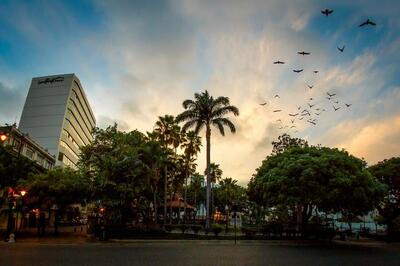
(10, 199)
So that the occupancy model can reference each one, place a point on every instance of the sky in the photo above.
(138, 60)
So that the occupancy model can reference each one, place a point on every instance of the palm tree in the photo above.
(191, 147)
(205, 111)
(215, 176)
(167, 131)
(228, 188)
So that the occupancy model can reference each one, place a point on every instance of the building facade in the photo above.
(58, 116)
(22, 145)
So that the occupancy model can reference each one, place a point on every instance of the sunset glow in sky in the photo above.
(138, 60)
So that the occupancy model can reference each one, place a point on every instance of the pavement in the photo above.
(65, 251)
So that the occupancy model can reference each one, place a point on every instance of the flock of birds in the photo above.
(310, 112)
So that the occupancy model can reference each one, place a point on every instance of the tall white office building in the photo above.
(58, 116)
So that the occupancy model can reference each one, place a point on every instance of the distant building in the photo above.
(23, 145)
(58, 116)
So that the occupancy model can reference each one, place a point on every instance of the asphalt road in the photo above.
(196, 253)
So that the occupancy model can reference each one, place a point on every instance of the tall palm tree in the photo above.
(191, 147)
(167, 131)
(205, 111)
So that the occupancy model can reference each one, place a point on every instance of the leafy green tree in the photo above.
(286, 142)
(119, 178)
(315, 179)
(14, 168)
(388, 172)
(59, 186)
(205, 111)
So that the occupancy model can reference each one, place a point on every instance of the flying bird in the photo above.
(335, 108)
(278, 62)
(317, 113)
(367, 22)
(329, 98)
(263, 104)
(311, 99)
(292, 120)
(301, 118)
(331, 95)
(275, 111)
(316, 71)
(279, 120)
(298, 107)
(347, 104)
(327, 12)
(310, 86)
(337, 102)
(303, 53)
(293, 114)
(276, 96)
(293, 126)
(280, 127)
(298, 70)
(311, 105)
(341, 49)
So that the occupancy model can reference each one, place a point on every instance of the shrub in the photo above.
(250, 230)
(217, 228)
(196, 228)
(168, 228)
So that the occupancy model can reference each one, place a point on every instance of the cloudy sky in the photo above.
(138, 60)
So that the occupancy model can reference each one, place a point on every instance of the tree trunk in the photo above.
(165, 194)
(185, 200)
(155, 205)
(208, 139)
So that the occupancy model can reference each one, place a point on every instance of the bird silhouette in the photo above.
(311, 105)
(329, 98)
(303, 53)
(317, 113)
(293, 114)
(293, 126)
(331, 95)
(316, 71)
(275, 111)
(279, 120)
(278, 62)
(347, 104)
(311, 99)
(301, 118)
(298, 70)
(276, 96)
(335, 108)
(292, 120)
(310, 86)
(337, 102)
(262, 104)
(326, 12)
(311, 122)
(280, 127)
(298, 107)
(367, 22)
(341, 49)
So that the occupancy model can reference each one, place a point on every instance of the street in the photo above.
(197, 253)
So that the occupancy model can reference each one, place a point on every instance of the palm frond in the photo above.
(220, 127)
(225, 122)
(225, 110)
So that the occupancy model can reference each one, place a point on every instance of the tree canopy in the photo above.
(316, 178)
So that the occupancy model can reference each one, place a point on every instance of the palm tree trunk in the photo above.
(208, 139)
(165, 195)
(185, 197)
(155, 205)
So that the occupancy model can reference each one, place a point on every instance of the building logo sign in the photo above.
(51, 80)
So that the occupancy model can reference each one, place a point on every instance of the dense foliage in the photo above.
(305, 180)
(388, 172)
